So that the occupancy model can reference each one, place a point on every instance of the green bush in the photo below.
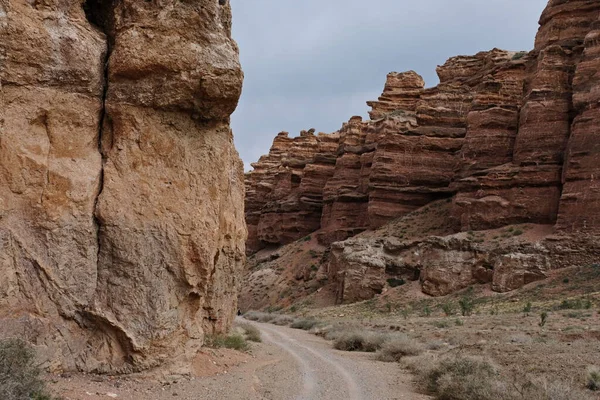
(467, 305)
(527, 308)
(235, 341)
(448, 308)
(19, 376)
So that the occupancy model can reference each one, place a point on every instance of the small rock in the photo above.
(113, 395)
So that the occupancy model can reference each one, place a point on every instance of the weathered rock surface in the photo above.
(511, 138)
(121, 235)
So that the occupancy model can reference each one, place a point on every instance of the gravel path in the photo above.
(328, 374)
(290, 364)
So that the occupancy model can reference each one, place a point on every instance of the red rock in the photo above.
(402, 91)
(580, 201)
(494, 134)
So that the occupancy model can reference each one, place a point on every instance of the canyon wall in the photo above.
(509, 136)
(121, 235)
(507, 143)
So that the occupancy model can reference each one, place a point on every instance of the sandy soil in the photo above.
(289, 364)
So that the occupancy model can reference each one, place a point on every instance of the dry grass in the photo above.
(19, 376)
(355, 340)
(235, 341)
(305, 324)
(593, 378)
(398, 346)
(252, 333)
(476, 378)
(260, 316)
(283, 320)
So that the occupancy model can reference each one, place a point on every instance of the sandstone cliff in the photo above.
(505, 139)
(121, 236)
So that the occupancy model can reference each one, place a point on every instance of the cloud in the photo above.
(314, 63)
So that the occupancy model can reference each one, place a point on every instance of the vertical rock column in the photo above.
(580, 201)
(345, 204)
(170, 213)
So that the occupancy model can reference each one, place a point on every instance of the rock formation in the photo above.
(506, 138)
(121, 236)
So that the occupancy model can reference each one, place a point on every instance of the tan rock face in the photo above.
(122, 235)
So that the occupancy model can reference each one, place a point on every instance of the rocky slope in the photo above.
(121, 239)
(506, 138)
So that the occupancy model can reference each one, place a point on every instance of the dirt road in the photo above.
(321, 372)
(289, 364)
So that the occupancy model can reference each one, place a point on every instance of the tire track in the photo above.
(316, 361)
(309, 383)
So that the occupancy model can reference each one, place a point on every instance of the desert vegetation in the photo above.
(233, 341)
(20, 376)
(475, 378)
(530, 344)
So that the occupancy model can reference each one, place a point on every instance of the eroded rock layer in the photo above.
(505, 139)
(122, 238)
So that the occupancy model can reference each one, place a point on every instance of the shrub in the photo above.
(593, 378)
(519, 55)
(426, 311)
(543, 319)
(252, 332)
(441, 324)
(576, 304)
(458, 322)
(304, 324)
(395, 282)
(19, 376)
(359, 341)
(235, 341)
(405, 313)
(467, 305)
(397, 347)
(282, 320)
(473, 378)
(527, 308)
(457, 378)
(260, 316)
(448, 309)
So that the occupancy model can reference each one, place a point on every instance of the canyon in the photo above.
(506, 145)
(120, 249)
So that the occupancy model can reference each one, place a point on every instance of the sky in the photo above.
(315, 63)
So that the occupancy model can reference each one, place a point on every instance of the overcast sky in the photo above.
(314, 63)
